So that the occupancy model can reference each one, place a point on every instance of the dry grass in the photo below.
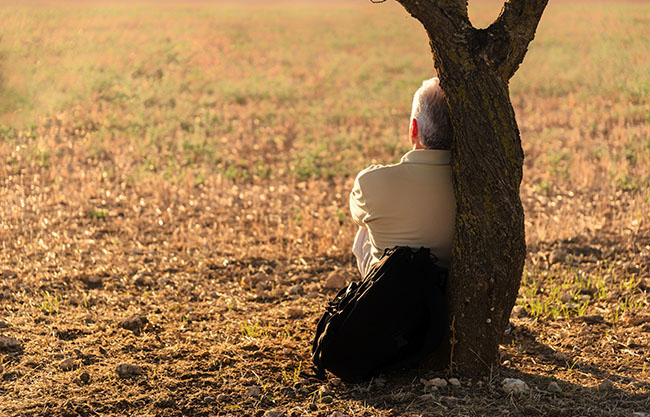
(191, 164)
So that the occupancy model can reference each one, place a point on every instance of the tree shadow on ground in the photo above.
(559, 360)
(404, 393)
(605, 245)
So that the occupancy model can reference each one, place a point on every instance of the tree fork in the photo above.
(474, 67)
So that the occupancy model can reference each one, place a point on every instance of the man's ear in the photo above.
(413, 129)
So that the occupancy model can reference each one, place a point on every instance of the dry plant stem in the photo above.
(452, 343)
(474, 67)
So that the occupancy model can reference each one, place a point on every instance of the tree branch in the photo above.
(442, 19)
(504, 43)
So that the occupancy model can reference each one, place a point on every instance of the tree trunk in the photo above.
(474, 67)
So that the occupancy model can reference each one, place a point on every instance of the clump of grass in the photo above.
(294, 376)
(251, 330)
(49, 303)
(98, 213)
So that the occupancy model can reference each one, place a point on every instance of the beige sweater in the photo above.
(410, 204)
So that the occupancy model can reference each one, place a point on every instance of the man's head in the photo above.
(430, 124)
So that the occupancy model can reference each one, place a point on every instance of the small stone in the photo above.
(634, 321)
(142, 280)
(515, 386)
(85, 377)
(324, 390)
(518, 311)
(557, 256)
(606, 386)
(260, 292)
(327, 399)
(303, 390)
(566, 297)
(438, 383)
(93, 281)
(274, 413)
(313, 407)
(378, 383)
(125, 370)
(254, 391)
(587, 291)
(590, 319)
(209, 399)
(134, 323)
(299, 388)
(335, 280)
(295, 290)
(454, 381)
(67, 364)
(295, 312)
(9, 343)
(8, 274)
(222, 397)
(554, 388)
(312, 295)
(252, 281)
(631, 268)
(3, 324)
(584, 297)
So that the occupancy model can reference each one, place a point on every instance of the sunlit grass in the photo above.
(205, 89)
(565, 292)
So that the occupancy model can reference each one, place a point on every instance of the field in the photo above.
(173, 196)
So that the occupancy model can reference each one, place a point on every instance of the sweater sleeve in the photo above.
(358, 202)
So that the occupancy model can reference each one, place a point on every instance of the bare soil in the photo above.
(213, 331)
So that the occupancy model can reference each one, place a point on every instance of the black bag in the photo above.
(394, 318)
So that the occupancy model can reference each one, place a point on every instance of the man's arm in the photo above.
(358, 203)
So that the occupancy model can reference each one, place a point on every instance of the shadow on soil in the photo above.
(403, 393)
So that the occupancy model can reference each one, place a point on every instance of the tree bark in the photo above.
(474, 67)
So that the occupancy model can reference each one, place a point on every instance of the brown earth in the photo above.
(218, 313)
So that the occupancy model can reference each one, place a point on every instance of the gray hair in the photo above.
(431, 111)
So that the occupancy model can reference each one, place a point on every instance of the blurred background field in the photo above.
(201, 144)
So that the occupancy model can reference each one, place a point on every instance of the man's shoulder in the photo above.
(375, 171)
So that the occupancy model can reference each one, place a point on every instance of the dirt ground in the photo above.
(213, 332)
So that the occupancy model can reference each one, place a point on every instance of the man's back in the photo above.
(407, 204)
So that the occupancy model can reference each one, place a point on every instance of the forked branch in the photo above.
(500, 48)
(444, 20)
(504, 44)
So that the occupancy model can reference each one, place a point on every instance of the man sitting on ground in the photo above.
(410, 203)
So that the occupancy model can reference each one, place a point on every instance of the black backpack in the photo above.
(391, 320)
